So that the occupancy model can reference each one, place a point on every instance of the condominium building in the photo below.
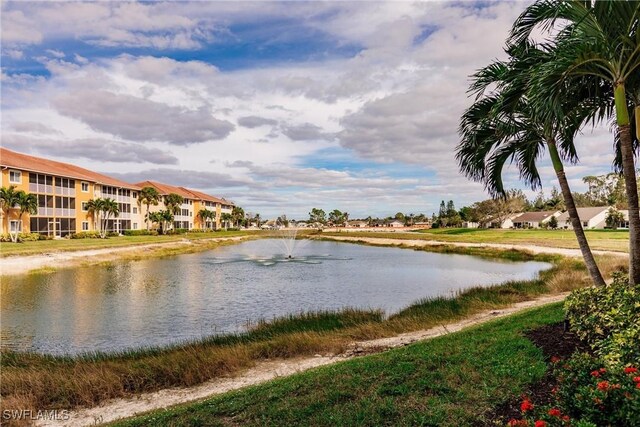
(63, 191)
(193, 202)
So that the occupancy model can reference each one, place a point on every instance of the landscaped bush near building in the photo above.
(85, 235)
(177, 231)
(22, 237)
(140, 233)
(608, 319)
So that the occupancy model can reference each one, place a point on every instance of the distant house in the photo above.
(504, 222)
(357, 224)
(424, 224)
(591, 218)
(470, 224)
(396, 224)
(534, 219)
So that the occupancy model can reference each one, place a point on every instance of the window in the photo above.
(85, 225)
(85, 187)
(135, 195)
(84, 206)
(135, 210)
(135, 225)
(15, 177)
(16, 226)
(585, 223)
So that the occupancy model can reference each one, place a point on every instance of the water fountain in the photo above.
(284, 239)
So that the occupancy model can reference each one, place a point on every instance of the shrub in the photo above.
(177, 231)
(140, 232)
(588, 394)
(22, 237)
(86, 235)
(608, 319)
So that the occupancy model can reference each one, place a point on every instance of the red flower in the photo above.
(595, 373)
(638, 386)
(526, 405)
(636, 379)
(566, 418)
(555, 412)
(630, 370)
(602, 370)
(517, 423)
(554, 390)
(555, 359)
(603, 385)
(540, 423)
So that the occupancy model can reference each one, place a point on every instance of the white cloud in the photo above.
(398, 100)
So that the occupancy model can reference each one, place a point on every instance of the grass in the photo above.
(36, 381)
(59, 245)
(611, 240)
(448, 381)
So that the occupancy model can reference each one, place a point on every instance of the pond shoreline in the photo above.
(266, 370)
(104, 378)
(50, 261)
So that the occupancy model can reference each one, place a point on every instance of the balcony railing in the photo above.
(65, 212)
(45, 211)
(64, 191)
(40, 188)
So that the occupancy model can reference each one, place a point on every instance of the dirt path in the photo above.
(419, 243)
(13, 265)
(270, 369)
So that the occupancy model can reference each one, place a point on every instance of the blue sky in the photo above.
(280, 107)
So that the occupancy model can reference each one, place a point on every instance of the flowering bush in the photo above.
(608, 318)
(588, 394)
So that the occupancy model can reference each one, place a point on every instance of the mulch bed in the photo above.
(554, 341)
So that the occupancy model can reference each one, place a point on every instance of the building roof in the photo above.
(187, 193)
(199, 195)
(165, 189)
(535, 216)
(29, 163)
(585, 214)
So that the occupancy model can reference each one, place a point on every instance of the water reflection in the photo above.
(163, 301)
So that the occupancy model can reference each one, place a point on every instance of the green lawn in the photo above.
(613, 240)
(448, 381)
(45, 246)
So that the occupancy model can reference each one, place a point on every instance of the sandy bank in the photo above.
(270, 369)
(421, 243)
(13, 265)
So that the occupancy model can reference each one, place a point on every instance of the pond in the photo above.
(158, 302)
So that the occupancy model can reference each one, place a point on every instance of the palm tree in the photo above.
(148, 196)
(599, 39)
(206, 215)
(257, 219)
(8, 200)
(226, 218)
(162, 218)
(173, 201)
(503, 126)
(94, 209)
(238, 214)
(109, 208)
(27, 203)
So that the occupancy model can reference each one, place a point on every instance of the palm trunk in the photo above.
(631, 185)
(589, 260)
(146, 219)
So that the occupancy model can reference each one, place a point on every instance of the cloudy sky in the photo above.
(279, 107)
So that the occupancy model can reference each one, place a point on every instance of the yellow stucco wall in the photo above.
(13, 213)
